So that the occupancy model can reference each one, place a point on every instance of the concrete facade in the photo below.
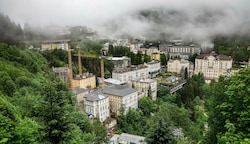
(131, 73)
(212, 65)
(97, 104)
(177, 65)
(121, 97)
(154, 67)
(84, 81)
(143, 86)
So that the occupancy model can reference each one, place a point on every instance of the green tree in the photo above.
(161, 133)
(147, 106)
(132, 123)
(56, 112)
(100, 132)
(236, 109)
(163, 59)
(229, 110)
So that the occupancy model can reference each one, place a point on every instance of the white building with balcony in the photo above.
(97, 104)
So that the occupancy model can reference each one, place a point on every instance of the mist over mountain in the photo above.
(200, 26)
(10, 32)
(154, 19)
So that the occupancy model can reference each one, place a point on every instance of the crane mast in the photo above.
(70, 66)
(79, 62)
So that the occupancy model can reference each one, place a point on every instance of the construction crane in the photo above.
(103, 52)
(79, 62)
(70, 64)
(79, 55)
(103, 55)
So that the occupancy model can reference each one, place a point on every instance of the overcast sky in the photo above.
(222, 16)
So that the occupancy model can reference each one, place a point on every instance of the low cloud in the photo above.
(199, 20)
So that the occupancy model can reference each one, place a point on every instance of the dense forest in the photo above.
(37, 108)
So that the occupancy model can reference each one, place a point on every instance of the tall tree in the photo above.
(229, 110)
(161, 133)
(56, 112)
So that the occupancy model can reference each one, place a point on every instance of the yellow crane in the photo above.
(70, 64)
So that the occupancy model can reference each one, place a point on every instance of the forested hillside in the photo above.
(35, 107)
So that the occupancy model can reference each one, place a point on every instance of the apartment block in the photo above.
(132, 72)
(146, 86)
(120, 62)
(154, 68)
(121, 97)
(97, 104)
(55, 44)
(180, 51)
(179, 66)
(212, 65)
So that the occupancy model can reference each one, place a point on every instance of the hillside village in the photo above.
(106, 99)
(72, 85)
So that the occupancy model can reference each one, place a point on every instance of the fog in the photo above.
(186, 19)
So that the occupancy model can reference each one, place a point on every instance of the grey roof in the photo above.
(79, 90)
(95, 96)
(128, 138)
(118, 90)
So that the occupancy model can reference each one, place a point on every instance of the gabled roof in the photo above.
(118, 90)
(215, 55)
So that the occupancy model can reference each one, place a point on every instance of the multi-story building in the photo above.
(212, 65)
(86, 81)
(146, 86)
(132, 72)
(154, 68)
(97, 104)
(120, 62)
(55, 44)
(155, 56)
(121, 98)
(135, 46)
(180, 51)
(179, 66)
(149, 51)
(79, 94)
(61, 72)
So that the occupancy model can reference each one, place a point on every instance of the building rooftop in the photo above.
(125, 138)
(118, 90)
(130, 68)
(153, 62)
(95, 96)
(181, 61)
(217, 57)
(83, 76)
(117, 58)
(146, 80)
(114, 81)
(79, 91)
(171, 79)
